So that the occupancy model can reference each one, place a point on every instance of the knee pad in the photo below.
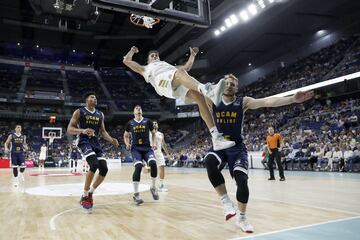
(153, 169)
(15, 171)
(103, 169)
(214, 174)
(93, 163)
(137, 172)
(242, 192)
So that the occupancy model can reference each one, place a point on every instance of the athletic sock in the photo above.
(92, 189)
(153, 181)
(214, 132)
(224, 198)
(136, 187)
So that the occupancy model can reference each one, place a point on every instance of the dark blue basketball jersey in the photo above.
(91, 120)
(140, 132)
(17, 143)
(229, 119)
(74, 151)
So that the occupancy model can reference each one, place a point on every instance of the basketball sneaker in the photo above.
(21, 177)
(162, 188)
(154, 193)
(16, 181)
(229, 209)
(244, 225)
(85, 202)
(138, 201)
(213, 91)
(220, 143)
(91, 199)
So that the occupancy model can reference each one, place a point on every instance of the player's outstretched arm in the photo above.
(299, 97)
(106, 135)
(131, 63)
(188, 65)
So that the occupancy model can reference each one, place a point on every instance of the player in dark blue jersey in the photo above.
(88, 124)
(18, 146)
(228, 116)
(139, 130)
(74, 156)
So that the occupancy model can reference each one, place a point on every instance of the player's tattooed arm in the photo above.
(136, 67)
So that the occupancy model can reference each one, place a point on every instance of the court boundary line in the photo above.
(295, 228)
(310, 206)
(279, 201)
(53, 218)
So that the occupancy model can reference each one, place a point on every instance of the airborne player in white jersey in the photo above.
(159, 156)
(174, 82)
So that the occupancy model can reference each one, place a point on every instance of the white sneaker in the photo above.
(214, 91)
(162, 188)
(229, 209)
(220, 143)
(244, 225)
(21, 177)
(16, 181)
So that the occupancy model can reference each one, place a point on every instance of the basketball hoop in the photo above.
(52, 136)
(143, 21)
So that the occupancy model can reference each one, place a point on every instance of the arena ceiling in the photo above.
(271, 33)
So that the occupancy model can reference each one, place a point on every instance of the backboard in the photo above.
(48, 132)
(189, 12)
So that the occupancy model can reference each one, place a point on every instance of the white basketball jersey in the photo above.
(158, 141)
(43, 150)
(160, 75)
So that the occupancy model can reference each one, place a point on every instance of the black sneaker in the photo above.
(282, 179)
(138, 201)
(154, 193)
(271, 178)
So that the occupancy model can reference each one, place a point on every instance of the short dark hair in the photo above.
(86, 95)
(153, 51)
(150, 52)
(18, 125)
(137, 105)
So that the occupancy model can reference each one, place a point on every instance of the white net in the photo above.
(52, 136)
(148, 22)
